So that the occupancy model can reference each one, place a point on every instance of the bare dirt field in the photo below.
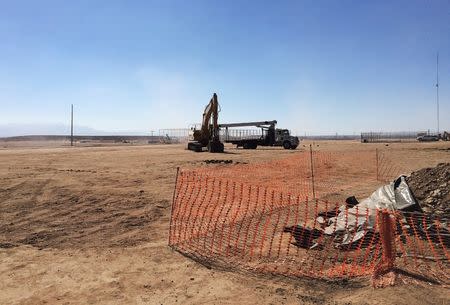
(89, 225)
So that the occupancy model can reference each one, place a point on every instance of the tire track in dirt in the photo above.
(66, 218)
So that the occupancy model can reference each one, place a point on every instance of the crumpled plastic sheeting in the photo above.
(394, 196)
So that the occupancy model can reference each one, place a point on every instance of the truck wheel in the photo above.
(254, 145)
(294, 147)
(287, 145)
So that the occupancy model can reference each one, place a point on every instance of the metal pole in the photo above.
(71, 126)
(437, 90)
(376, 157)
(312, 172)
(173, 205)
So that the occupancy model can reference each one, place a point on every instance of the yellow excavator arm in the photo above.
(211, 111)
(208, 135)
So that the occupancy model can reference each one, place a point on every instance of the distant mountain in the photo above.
(11, 130)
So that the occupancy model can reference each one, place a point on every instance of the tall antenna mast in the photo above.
(437, 90)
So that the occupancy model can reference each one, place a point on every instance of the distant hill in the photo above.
(14, 130)
(84, 138)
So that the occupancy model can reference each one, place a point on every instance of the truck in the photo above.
(428, 138)
(269, 135)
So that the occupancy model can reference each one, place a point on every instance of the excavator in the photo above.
(208, 134)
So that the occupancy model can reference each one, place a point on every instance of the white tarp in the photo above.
(354, 224)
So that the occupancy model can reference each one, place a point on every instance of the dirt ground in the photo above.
(89, 225)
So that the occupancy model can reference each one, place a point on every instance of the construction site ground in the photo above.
(89, 225)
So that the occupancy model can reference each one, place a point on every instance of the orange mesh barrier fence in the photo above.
(223, 220)
(334, 172)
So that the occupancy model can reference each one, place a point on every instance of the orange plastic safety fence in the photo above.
(334, 172)
(237, 225)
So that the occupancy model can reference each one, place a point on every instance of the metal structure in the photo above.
(437, 90)
(71, 125)
(174, 135)
(239, 133)
(383, 137)
(446, 136)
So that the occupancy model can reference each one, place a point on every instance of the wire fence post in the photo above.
(71, 125)
(312, 171)
(376, 160)
(173, 205)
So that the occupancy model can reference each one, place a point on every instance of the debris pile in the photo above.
(218, 161)
(426, 191)
(431, 188)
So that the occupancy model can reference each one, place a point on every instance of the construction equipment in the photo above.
(446, 136)
(270, 136)
(208, 134)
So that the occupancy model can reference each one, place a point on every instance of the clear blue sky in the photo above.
(315, 66)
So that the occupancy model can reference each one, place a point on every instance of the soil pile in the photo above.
(431, 187)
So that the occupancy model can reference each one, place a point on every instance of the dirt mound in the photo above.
(431, 187)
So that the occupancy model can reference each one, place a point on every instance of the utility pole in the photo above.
(71, 125)
(437, 90)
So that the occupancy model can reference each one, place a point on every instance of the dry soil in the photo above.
(89, 225)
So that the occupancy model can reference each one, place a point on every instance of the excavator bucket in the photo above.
(215, 147)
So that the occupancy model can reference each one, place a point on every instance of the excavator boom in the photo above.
(211, 112)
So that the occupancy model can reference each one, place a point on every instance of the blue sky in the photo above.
(316, 66)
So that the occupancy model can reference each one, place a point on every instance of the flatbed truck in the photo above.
(269, 136)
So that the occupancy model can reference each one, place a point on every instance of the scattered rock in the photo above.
(6, 245)
(218, 161)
